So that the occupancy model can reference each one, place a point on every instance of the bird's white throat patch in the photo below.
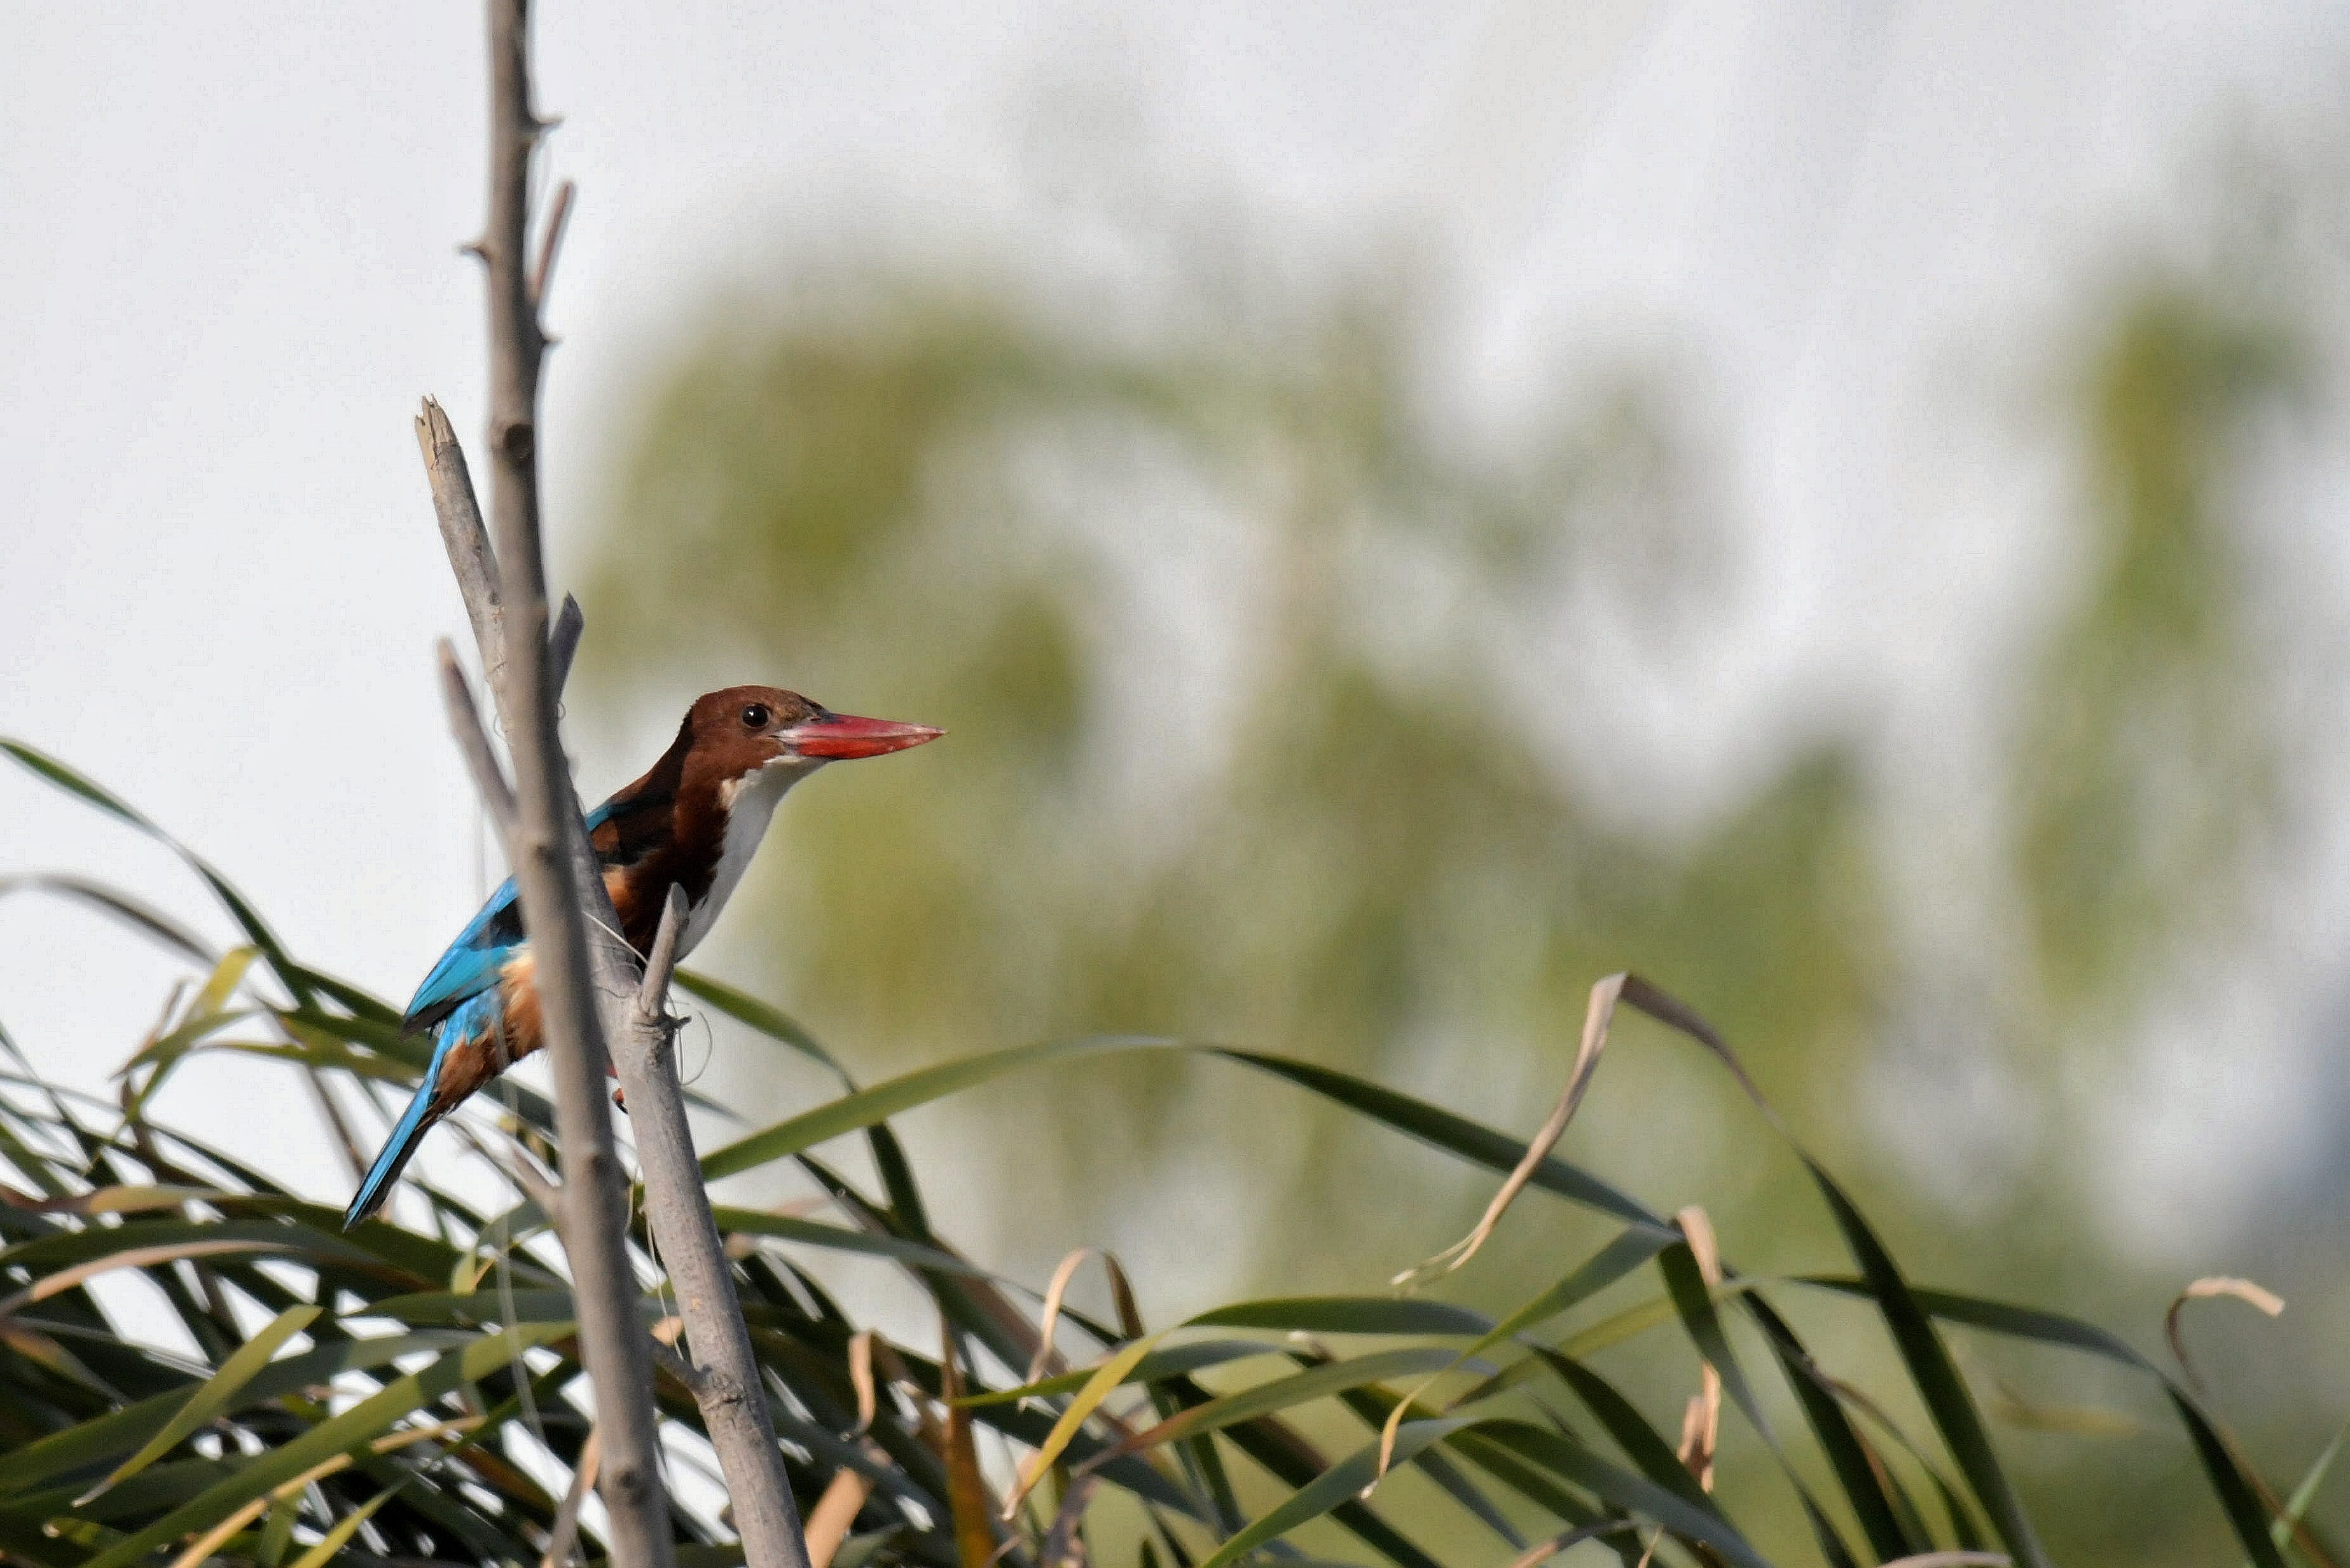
(750, 803)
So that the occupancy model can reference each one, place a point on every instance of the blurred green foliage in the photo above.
(1363, 828)
(1370, 824)
(2146, 748)
(933, 501)
(428, 1405)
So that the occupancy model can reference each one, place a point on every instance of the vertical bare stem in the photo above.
(733, 1399)
(586, 975)
(550, 840)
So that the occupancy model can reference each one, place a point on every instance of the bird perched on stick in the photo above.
(693, 820)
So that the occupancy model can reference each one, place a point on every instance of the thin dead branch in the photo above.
(731, 1393)
(548, 846)
(465, 724)
(562, 646)
(550, 245)
(467, 541)
(587, 979)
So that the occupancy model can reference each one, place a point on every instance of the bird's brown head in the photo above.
(744, 730)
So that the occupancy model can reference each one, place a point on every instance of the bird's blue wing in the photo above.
(458, 1000)
(406, 1134)
(474, 961)
(475, 1015)
(472, 964)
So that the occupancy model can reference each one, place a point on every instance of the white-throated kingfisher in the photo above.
(693, 820)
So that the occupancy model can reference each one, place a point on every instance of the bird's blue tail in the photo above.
(397, 1148)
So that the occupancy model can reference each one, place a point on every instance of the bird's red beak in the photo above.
(835, 736)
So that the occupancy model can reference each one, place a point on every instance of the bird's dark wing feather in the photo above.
(633, 823)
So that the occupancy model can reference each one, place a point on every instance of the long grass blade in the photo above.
(322, 1552)
(209, 1402)
(159, 927)
(2296, 1506)
(1169, 1362)
(1347, 1314)
(364, 1422)
(852, 1113)
(1340, 1483)
(767, 1019)
(1098, 1387)
(256, 931)
(1285, 1393)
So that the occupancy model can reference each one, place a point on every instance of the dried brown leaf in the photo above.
(1596, 1019)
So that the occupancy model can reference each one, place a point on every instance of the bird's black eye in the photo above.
(756, 716)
